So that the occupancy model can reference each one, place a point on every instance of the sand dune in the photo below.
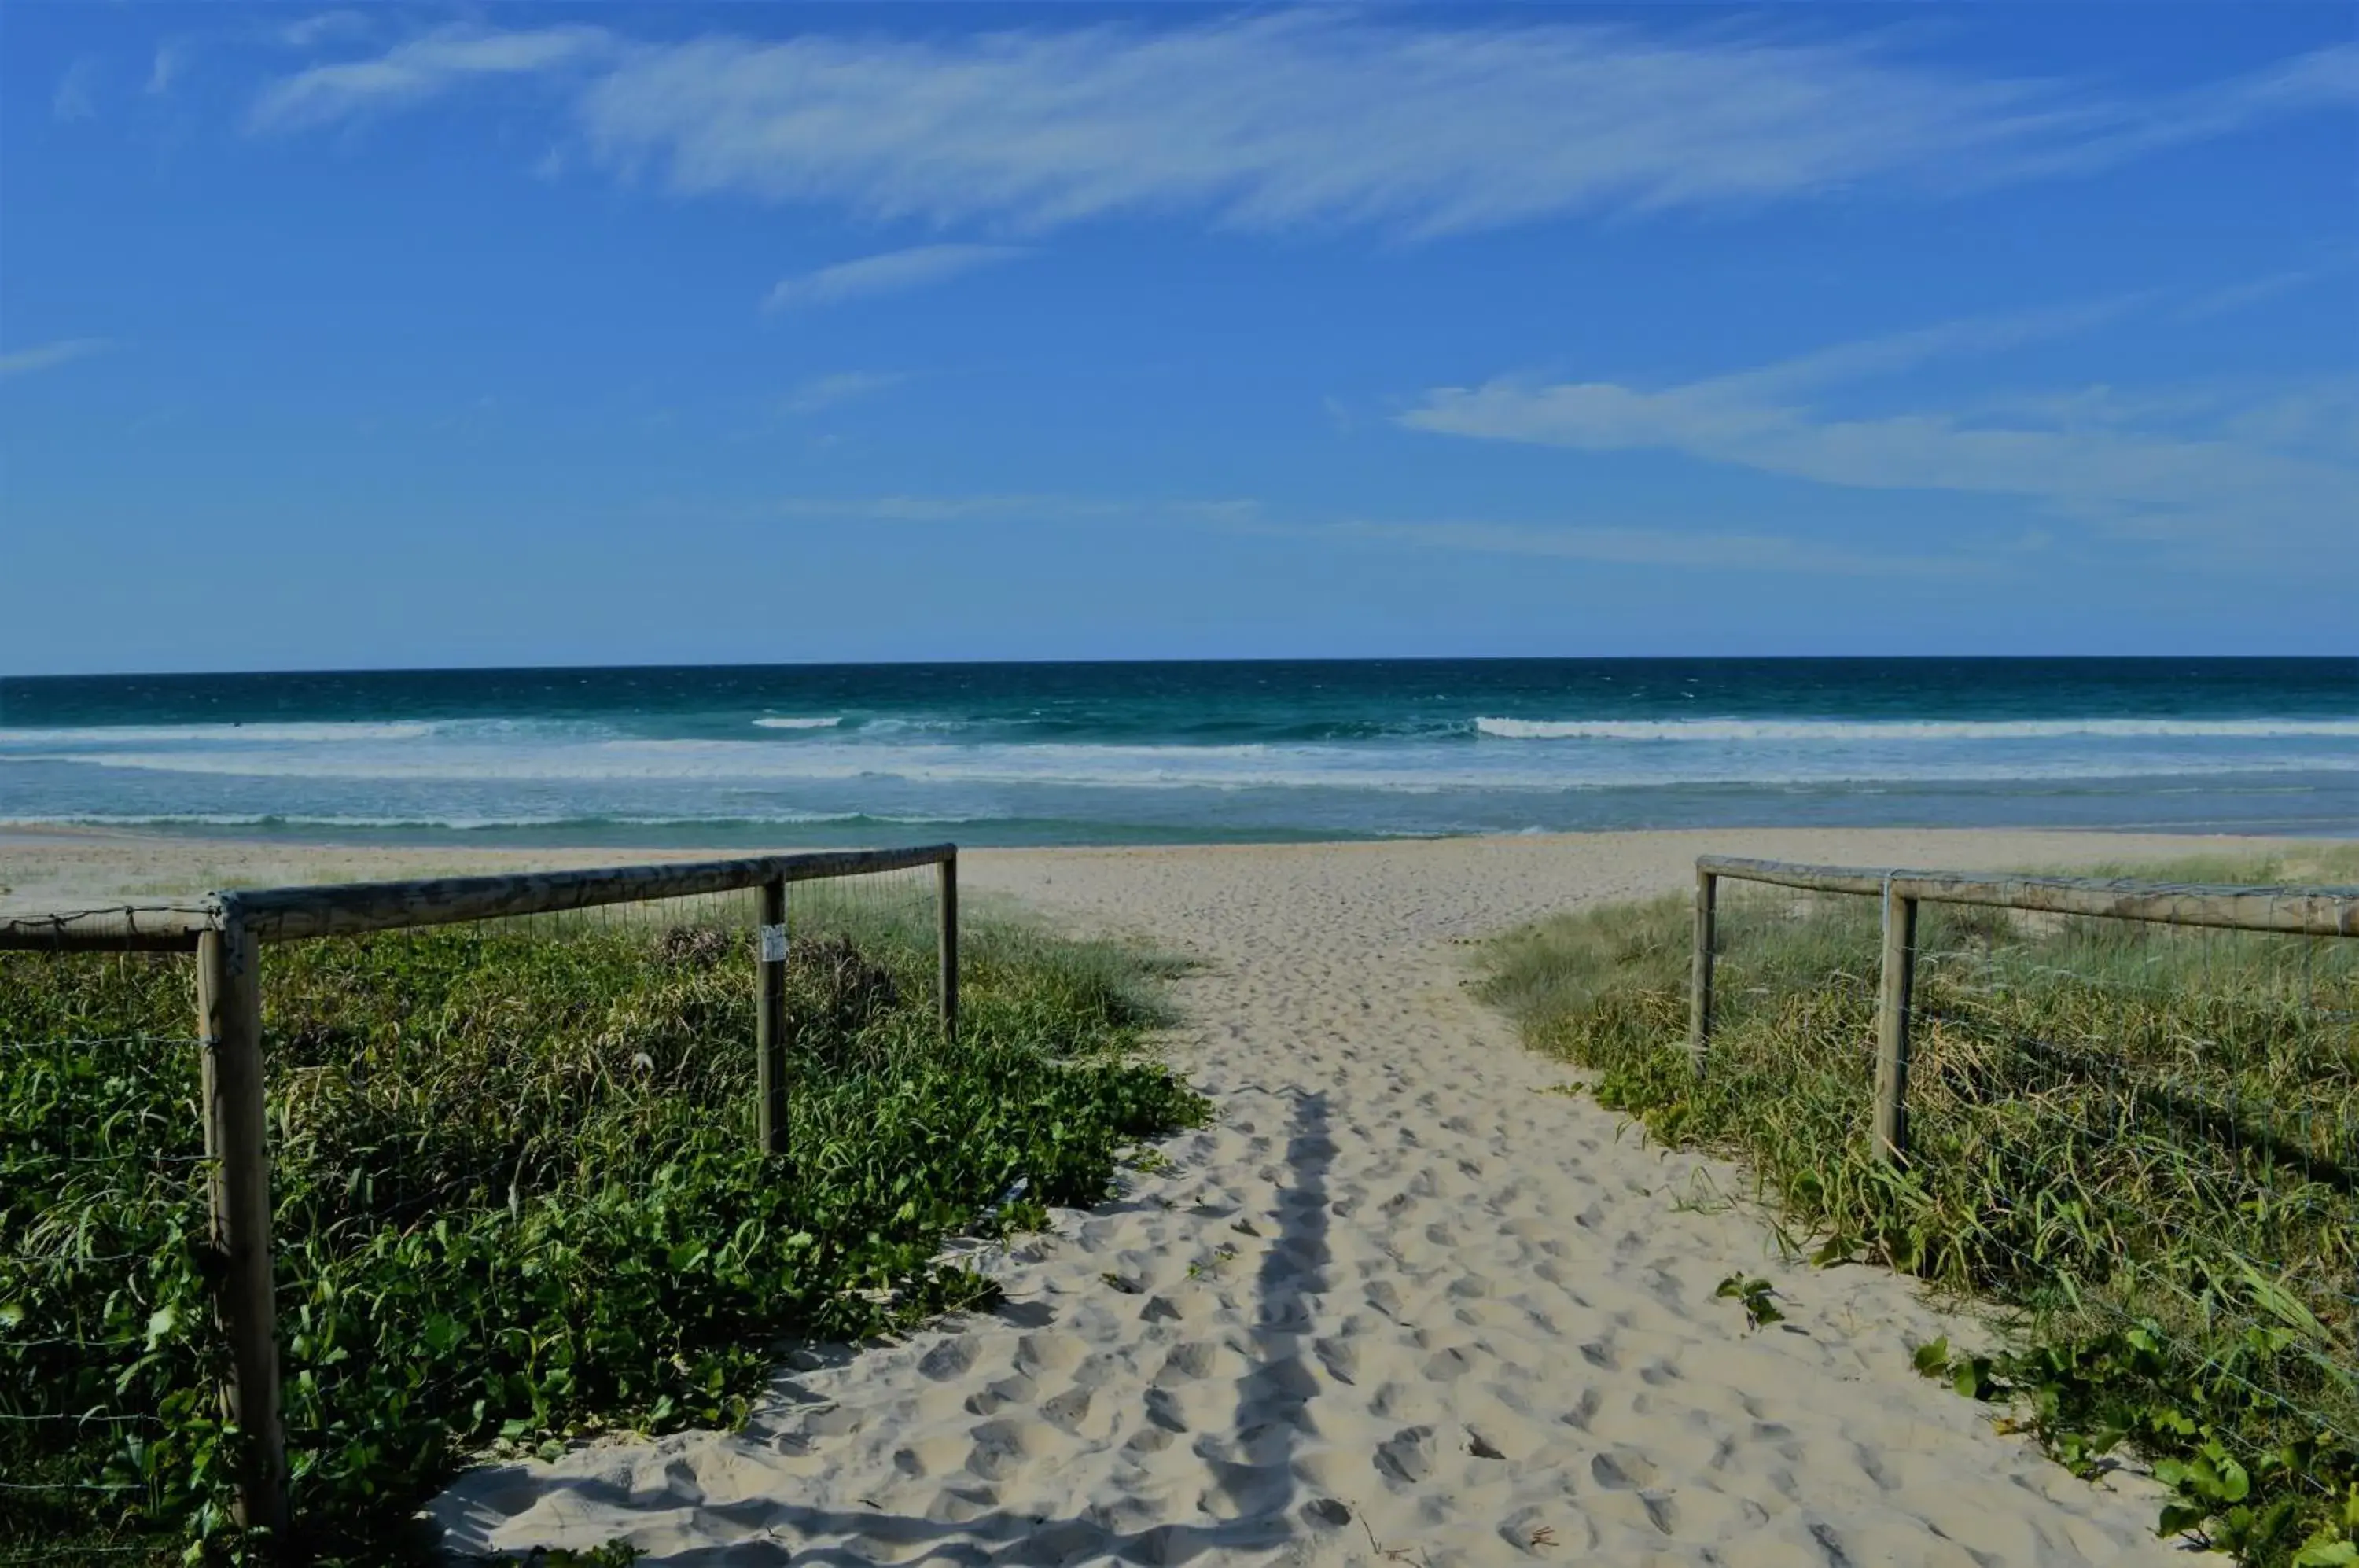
(1402, 1301)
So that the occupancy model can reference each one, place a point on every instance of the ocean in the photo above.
(1120, 752)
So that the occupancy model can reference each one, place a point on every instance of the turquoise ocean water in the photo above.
(1181, 751)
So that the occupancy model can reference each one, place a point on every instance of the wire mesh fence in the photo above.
(2177, 1114)
(104, 1183)
(450, 1112)
(2141, 1135)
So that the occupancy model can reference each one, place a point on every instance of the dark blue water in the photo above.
(1083, 753)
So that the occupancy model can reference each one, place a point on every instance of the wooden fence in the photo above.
(225, 931)
(2299, 911)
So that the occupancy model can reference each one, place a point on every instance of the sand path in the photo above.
(1400, 1301)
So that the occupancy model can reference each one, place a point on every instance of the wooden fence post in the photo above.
(947, 944)
(1899, 973)
(1700, 977)
(770, 1019)
(229, 1020)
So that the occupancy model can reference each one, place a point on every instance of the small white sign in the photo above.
(773, 944)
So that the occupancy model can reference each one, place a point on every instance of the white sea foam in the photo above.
(322, 734)
(134, 819)
(755, 764)
(796, 723)
(1915, 729)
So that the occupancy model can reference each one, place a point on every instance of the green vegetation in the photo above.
(2138, 1145)
(1758, 1297)
(516, 1196)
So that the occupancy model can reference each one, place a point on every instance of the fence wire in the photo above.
(102, 1221)
(425, 1087)
(2116, 1126)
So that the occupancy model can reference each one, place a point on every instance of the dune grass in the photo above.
(2137, 1145)
(516, 1195)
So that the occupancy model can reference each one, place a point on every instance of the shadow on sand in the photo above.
(1250, 1462)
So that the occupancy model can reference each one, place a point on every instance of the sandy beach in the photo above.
(1403, 1300)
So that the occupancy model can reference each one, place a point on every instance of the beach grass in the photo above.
(518, 1200)
(2136, 1147)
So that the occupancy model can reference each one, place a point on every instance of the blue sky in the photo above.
(399, 336)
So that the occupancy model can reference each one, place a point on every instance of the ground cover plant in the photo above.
(516, 1196)
(2138, 1146)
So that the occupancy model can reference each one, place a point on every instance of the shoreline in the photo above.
(41, 863)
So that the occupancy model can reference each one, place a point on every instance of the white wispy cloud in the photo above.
(2323, 420)
(324, 26)
(1702, 549)
(171, 62)
(2324, 78)
(1685, 548)
(2319, 416)
(1040, 505)
(48, 355)
(1896, 352)
(823, 392)
(1268, 121)
(2217, 466)
(421, 68)
(947, 508)
(75, 97)
(893, 272)
(2258, 290)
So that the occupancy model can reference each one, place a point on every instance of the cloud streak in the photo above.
(75, 96)
(171, 63)
(47, 356)
(2221, 468)
(1015, 506)
(419, 69)
(893, 272)
(1681, 548)
(822, 393)
(1299, 118)
(325, 26)
(1706, 551)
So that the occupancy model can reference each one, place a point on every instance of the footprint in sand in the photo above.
(1407, 1457)
(948, 1361)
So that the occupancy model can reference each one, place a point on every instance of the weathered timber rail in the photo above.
(226, 933)
(356, 908)
(118, 928)
(2289, 911)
